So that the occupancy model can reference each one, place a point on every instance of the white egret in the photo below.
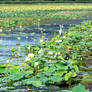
(61, 30)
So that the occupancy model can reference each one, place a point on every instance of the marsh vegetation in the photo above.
(34, 56)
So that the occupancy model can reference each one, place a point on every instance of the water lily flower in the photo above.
(36, 64)
(64, 37)
(90, 35)
(7, 62)
(50, 53)
(0, 41)
(1, 30)
(20, 26)
(39, 19)
(27, 37)
(59, 41)
(27, 59)
(18, 38)
(41, 40)
(30, 55)
(40, 51)
(28, 47)
(58, 53)
(19, 47)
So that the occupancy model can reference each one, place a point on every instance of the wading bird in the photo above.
(61, 30)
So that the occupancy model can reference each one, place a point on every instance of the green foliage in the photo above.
(13, 49)
(2, 34)
(34, 81)
(2, 45)
(79, 88)
(9, 23)
(15, 18)
(53, 61)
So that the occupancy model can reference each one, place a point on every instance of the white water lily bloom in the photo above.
(64, 37)
(40, 51)
(39, 19)
(0, 41)
(90, 35)
(30, 55)
(1, 30)
(28, 47)
(19, 47)
(27, 37)
(59, 41)
(36, 63)
(50, 53)
(18, 38)
(27, 59)
(7, 61)
(58, 53)
(41, 40)
(20, 26)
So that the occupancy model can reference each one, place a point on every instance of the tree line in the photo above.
(45, 0)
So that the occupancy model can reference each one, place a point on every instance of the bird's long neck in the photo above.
(60, 31)
(60, 26)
